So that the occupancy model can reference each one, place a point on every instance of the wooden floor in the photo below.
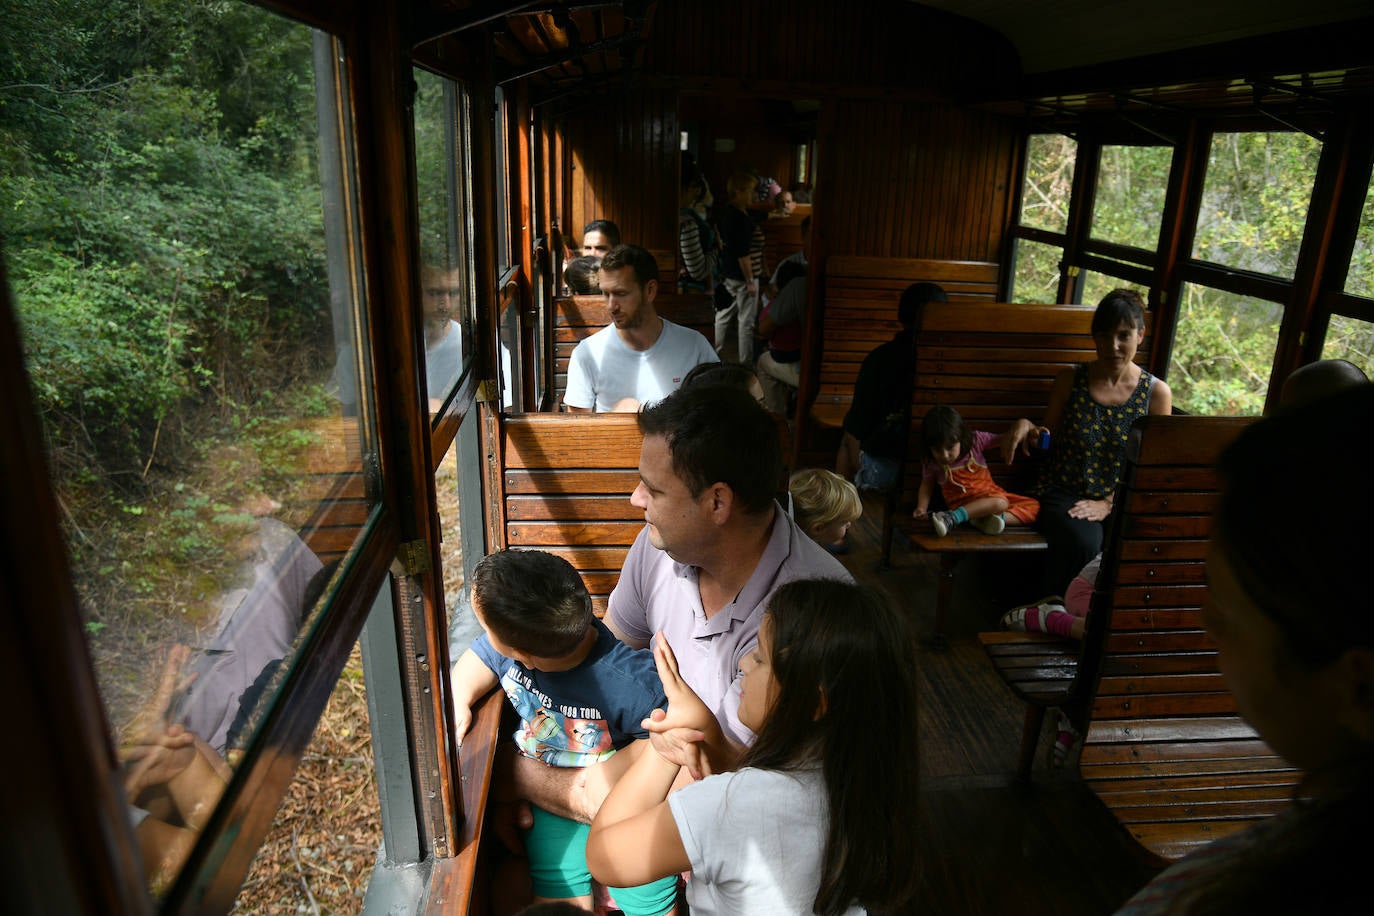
(993, 846)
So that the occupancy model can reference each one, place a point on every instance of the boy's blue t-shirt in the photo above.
(578, 717)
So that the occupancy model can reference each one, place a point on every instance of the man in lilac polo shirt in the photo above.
(715, 547)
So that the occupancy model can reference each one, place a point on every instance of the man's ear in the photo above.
(650, 291)
(721, 502)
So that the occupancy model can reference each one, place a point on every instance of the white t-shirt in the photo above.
(604, 370)
(755, 839)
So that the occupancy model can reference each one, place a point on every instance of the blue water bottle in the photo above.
(1044, 439)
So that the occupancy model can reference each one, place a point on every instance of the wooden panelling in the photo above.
(623, 156)
(915, 180)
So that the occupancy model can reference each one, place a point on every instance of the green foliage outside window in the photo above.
(1037, 272)
(1048, 183)
(1129, 204)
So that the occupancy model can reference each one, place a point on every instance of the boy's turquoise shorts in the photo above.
(557, 848)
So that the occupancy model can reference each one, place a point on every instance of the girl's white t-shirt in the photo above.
(755, 839)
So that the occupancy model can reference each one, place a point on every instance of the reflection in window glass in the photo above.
(446, 270)
(184, 301)
(1359, 281)
(1350, 339)
(1223, 352)
(1037, 272)
(1129, 203)
(1255, 199)
(1049, 181)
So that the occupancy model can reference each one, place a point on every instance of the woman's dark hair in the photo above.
(941, 426)
(1120, 305)
(1304, 564)
(719, 434)
(914, 299)
(846, 700)
(581, 274)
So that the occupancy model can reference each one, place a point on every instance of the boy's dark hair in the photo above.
(941, 426)
(914, 299)
(645, 267)
(532, 601)
(719, 434)
(840, 644)
(1120, 305)
(581, 275)
(606, 228)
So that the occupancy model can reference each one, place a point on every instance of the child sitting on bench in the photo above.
(952, 457)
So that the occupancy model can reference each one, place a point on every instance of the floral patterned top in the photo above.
(1090, 445)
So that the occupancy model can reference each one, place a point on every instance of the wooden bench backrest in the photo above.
(781, 238)
(579, 317)
(566, 482)
(1163, 723)
(861, 295)
(994, 363)
(334, 485)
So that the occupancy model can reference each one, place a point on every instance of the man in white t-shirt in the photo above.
(639, 358)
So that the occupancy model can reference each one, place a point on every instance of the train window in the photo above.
(1037, 271)
(1255, 199)
(1223, 352)
(445, 214)
(1129, 203)
(1350, 339)
(1048, 183)
(183, 248)
(502, 174)
(1359, 279)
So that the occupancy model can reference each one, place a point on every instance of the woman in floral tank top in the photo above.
(1090, 414)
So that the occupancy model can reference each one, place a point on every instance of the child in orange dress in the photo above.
(952, 456)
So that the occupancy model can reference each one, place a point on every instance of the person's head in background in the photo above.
(799, 193)
(629, 281)
(695, 193)
(583, 276)
(740, 189)
(1288, 601)
(732, 375)
(824, 505)
(599, 237)
(441, 293)
(1320, 379)
(784, 204)
(914, 299)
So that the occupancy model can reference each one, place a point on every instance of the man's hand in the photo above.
(157, 759)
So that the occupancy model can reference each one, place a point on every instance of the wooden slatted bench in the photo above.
(565, 487)
(860, 312)
(1164, 747)
(579, 317)
(994, 363)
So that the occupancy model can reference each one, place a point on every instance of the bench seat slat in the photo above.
(584, 508)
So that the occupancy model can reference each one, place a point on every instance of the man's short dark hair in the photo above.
(606, 228)
(789, 271)
(719, 434)
(914, 299)
(532, 601)
(645, 267)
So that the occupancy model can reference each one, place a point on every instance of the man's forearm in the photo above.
(558, 790)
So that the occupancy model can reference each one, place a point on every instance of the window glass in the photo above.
(1359, 281)
(1097, 285)
(1129, 203)
(1037, 272)
(443, 178)
(1350, 339)
(1254, 201)
(1049, 181)
(180, 240)
(1223, 352)
(502, 172)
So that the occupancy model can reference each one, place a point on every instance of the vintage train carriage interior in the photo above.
(321, 242)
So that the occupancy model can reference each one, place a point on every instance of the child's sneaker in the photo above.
(1065, 739)
(1015, 619)
(989, 524)
(943, 522)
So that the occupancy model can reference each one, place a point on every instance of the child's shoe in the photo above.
(1015, 619)
(1065, 739)
(943, 521)
(989, 524)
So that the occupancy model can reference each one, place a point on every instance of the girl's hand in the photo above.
(1090, 510)
(681, 734)
(919, 512)
(157, 759)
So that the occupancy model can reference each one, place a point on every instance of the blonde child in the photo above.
(819, 814)
(952, 457)
(824, 505)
